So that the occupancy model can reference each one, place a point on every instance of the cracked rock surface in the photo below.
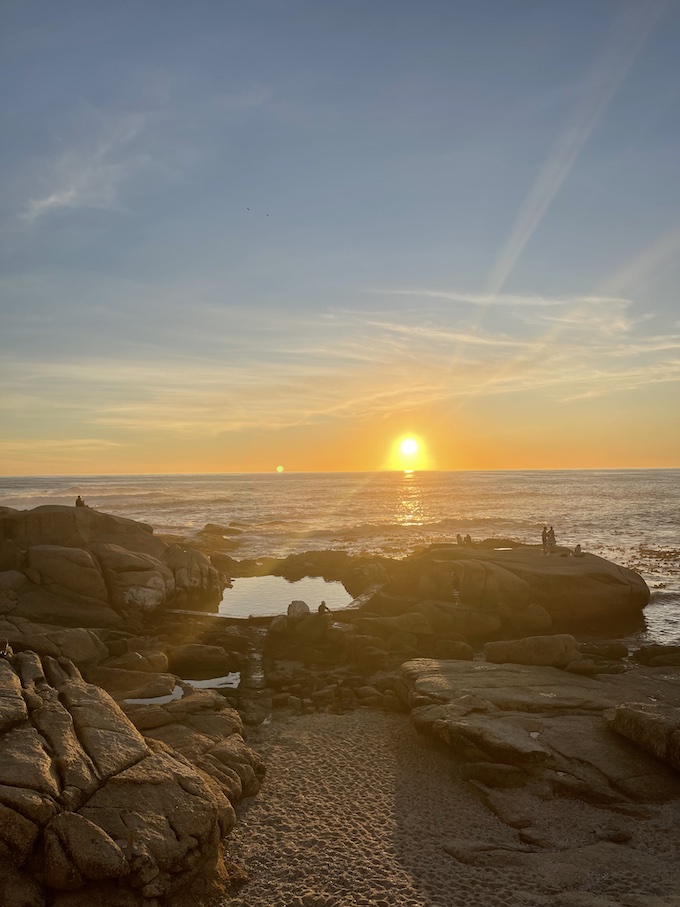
(91, 811)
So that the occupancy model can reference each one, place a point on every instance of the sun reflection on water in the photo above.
(410, 510)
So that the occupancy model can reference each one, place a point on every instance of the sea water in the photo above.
(629, 516)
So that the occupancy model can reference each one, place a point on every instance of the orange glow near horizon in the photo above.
(503, 433)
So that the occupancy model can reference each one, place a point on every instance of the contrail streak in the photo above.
(597, 89)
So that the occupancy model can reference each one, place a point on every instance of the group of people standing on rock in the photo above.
(550, 545)
(548, 539)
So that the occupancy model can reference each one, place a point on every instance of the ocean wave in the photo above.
(665, 597)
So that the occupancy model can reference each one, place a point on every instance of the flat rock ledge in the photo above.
(96, 810)
(605, 748)
(543, 724)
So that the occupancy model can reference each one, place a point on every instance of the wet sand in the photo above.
(356, 810)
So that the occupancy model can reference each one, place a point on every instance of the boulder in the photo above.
(657, 654)
(487, 584)
(138, 582)
(203, 728)
(79, 645)
(453, 648)
(556, 651)
(127, 684)
(86, 568)
(442, 616)
(90, 810)
(194, 575)
(10, 553)
(573, 590)
(653, 726)
(77, 849)
(297, 611)
(12, 580)
(413, 623)
(76, 527)
(72, 571)
(195, 661)
(153, 661)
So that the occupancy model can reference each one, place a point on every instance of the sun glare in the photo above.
(409, 447)
(408, 453)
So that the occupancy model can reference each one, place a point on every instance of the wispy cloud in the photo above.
(59, 445)
(646, 263)
(91, 173)
(445, 335)
(297, 371)
(596, 91)
(497, 298)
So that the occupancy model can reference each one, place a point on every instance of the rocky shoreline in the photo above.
(488, 648)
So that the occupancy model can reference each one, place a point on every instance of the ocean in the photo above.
(629, 516)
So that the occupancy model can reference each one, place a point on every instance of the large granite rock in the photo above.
(80, 567)
(91, 811)
(79, 645)
(138, 582)
(197, 661)
(556, 651)
(76, 527)
(571, 590)
(203, 728)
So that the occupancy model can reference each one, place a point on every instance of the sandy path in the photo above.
(356, 809)
(354, 812)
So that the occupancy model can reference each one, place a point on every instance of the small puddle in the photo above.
(229, 681)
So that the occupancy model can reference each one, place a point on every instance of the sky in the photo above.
(242, 235)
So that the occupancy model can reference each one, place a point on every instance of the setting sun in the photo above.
(408, 453)
(409, 447)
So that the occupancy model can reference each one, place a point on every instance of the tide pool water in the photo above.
(270, 595)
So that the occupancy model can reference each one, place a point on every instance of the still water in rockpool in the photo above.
(265, 596)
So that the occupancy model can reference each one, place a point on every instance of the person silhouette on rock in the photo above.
(552, 544)
(80, 502)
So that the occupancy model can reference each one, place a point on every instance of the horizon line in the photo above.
(301, 472)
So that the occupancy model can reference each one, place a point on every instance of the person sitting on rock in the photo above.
(577, 551)
(6, 651)
(80, 502)
(323, 609)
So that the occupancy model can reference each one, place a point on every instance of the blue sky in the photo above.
(238, 234)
